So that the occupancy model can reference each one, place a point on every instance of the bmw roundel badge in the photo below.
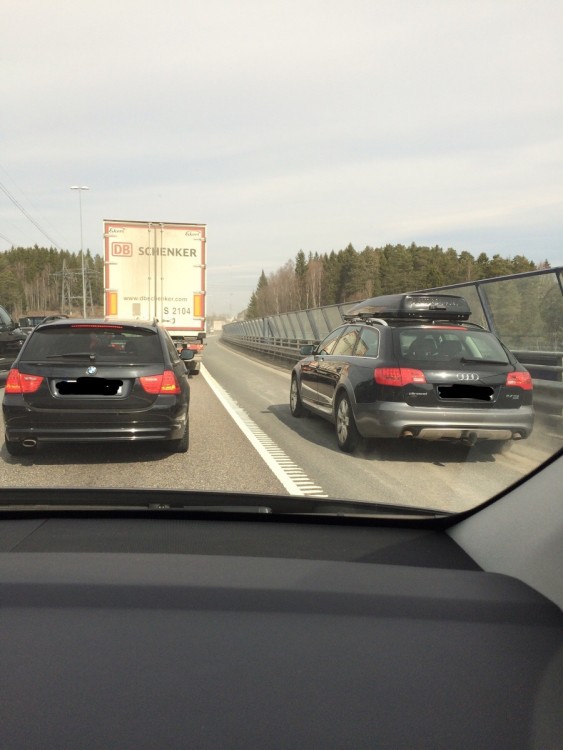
(92, 370)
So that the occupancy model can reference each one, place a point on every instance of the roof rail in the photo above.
(364, 319)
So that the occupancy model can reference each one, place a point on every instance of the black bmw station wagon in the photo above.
(97, 381)
(412, 366)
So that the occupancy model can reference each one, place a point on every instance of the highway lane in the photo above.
(220, 458)
(286, 454)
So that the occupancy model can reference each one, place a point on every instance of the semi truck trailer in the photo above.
(157, 270)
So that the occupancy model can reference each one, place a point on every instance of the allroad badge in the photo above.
(467, 376)
(91, 370)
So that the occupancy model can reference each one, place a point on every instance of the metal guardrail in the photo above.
(541, 365)
(288, 350)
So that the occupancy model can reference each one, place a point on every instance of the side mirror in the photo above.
(187, 354)
(308, 349)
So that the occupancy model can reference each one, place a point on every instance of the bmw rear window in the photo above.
(105, 343)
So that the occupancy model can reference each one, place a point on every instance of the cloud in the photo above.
(287, 126)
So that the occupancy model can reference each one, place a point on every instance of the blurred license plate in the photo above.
(90, 387)
(473, 392)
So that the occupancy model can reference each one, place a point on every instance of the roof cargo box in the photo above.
(416, 306)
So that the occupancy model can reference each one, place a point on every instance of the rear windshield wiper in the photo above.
(485, 361)
(72, 355)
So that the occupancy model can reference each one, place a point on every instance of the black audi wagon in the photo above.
(412, 366)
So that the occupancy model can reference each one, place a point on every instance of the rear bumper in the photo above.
(90, 427)
(94, 435)
(394, 420)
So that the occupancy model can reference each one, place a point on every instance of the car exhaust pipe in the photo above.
(408, 434)
(517, 436)
(29, 443)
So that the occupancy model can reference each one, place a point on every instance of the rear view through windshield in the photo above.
(99, 342)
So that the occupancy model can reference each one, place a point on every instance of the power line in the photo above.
(29, 201)
(7, 239)
(28, 216)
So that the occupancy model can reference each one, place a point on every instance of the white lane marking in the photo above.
(292, 477)
(270, 368)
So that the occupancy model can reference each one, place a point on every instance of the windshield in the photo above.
(229, 179)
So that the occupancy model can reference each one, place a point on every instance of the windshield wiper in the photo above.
(72, 355)
(484, 361)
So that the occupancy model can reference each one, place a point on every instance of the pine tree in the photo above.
(301, 280)
(346, 275)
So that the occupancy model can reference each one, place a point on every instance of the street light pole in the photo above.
(80, 189)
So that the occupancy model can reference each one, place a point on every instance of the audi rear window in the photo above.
(113, 344)
(450, 345)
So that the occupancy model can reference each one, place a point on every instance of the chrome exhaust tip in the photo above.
(29, 443)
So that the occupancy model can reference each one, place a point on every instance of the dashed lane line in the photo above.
(292, 476)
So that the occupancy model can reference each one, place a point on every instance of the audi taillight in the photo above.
(519, 380)
(398, 376)
(22, 382)
(165, 383)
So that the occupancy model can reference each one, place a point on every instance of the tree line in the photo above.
(36, 280)
(348, 275)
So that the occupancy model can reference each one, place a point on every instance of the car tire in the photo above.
(347, 433)
(295, 404)
(17, 449)
(182, 444)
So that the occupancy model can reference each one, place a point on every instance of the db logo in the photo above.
(121, 248)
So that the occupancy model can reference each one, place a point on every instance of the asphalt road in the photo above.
(244, 439)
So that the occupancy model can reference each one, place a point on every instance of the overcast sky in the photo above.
(285, 126)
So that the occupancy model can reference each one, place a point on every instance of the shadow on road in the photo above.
(321, 432)
(68, 454)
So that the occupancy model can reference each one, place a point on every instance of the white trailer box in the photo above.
(157, 270)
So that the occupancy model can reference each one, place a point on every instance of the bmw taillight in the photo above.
(519, 380)
(165, 383)
(22, 382)
(398, 376)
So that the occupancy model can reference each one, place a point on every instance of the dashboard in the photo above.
(151, 630)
